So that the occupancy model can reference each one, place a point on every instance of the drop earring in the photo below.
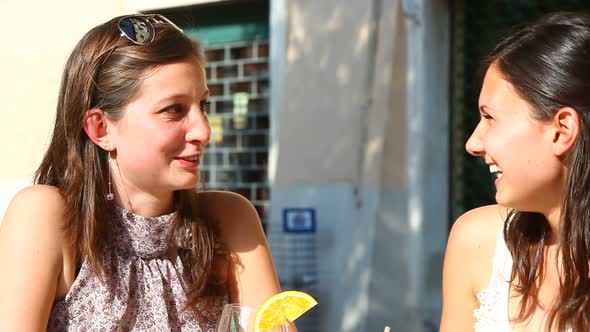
(109, 196)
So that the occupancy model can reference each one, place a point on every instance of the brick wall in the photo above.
(237, 156)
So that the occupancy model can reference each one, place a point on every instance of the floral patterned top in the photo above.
(144, 291)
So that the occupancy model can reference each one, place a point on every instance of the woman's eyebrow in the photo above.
(172, 97)
(485, 109)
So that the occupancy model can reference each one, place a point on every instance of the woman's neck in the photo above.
(146, 202)
(554, 219)
(145, 205)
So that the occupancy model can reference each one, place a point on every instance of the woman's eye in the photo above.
(205, 106)
(486, 116)
(173, 109)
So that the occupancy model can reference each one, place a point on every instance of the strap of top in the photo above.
(492, 313)
(502, 260)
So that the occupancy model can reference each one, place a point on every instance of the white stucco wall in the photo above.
(372, 162)
(34, 49)
(36, 42)
(379, 260)
(132, 6)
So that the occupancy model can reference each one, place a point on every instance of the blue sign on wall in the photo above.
(299, 220)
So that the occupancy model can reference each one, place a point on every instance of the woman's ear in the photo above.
(96, 127)
(566, 126)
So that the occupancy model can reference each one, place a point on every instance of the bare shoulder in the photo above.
(472, 243)
(252, 276)
(38, 206)
(474, 237)
(479, 226)
(227, 207)
(31, 253)
(34, 218)
(216, 197)
(468, 264)
(234, 216)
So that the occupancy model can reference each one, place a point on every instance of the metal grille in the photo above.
(296, 258)
(476, 27)
(237, 156)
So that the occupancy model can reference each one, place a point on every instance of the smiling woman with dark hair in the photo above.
(523, 265)
(113, 235)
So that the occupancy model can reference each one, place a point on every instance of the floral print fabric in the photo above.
(144, 290)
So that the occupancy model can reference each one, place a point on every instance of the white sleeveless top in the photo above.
(492, 314)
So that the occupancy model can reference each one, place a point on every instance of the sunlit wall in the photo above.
(36, 42)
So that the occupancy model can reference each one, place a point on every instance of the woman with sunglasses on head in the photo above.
(523, 265)
(113, 235)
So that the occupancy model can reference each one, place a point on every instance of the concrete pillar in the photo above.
(360, 136)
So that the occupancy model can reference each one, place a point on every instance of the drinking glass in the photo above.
(239, 318)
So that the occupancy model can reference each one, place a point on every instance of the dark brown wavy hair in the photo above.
(548, 63)
(105, 70)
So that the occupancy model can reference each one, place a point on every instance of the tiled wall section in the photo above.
(237, 156)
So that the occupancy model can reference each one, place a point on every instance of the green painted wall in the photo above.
(223, 22)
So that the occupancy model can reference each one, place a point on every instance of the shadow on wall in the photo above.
(324, 92)
(343, 125)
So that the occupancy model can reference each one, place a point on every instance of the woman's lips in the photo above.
(495, 170)
(191, 162)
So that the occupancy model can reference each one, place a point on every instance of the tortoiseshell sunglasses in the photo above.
(139, 28)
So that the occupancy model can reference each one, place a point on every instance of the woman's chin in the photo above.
(512, 203)
(189, 183)
(502, 200)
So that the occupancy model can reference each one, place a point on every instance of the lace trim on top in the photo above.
(492, 313)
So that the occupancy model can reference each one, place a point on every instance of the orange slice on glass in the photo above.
(282, 308)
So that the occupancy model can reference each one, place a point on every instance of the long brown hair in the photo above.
(548, 63)
(105, 70)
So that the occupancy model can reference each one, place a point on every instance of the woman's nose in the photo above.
(198, 129)
(474, 144)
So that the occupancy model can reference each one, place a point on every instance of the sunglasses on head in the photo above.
(139, 29)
